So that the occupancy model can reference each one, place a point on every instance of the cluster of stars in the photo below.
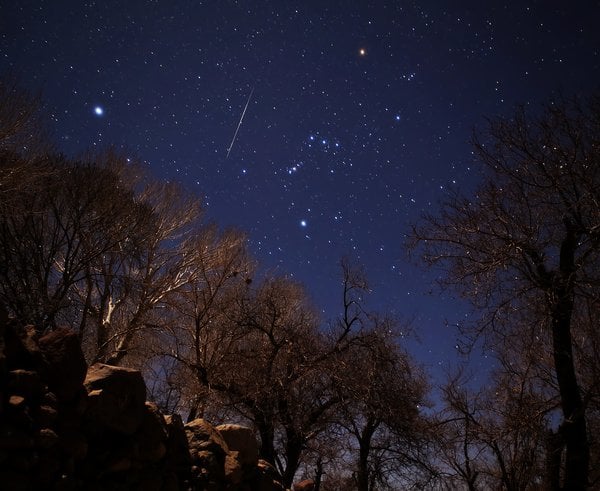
(325, 144)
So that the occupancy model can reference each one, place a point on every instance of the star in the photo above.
(98, 111)
(362, 52)
(303, 223)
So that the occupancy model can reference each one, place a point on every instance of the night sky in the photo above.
(357, 115)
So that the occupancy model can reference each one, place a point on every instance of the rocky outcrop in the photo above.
(64, 426)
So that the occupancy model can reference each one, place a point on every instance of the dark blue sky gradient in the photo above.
(359, 119)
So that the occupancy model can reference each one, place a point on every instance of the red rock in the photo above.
(305, 485)
(16, 401)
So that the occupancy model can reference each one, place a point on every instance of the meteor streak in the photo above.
(240, 123)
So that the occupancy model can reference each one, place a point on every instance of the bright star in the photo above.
(362, 51)
(98, 111)
(303, 223)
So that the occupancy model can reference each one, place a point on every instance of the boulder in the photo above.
(178, 452)
(202, 436)
(208, 452)
(66, 364)
(305, 485)
(64, 430)
(46, 438)
(21, 348)
(25, 383)
(268, 477)
(116, 398)
(233, 468)
(240, 439)
(73, 444)
(151, 437)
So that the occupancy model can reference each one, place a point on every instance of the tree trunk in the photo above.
(196, 410)
(293, 451)
(267, 435)
(362, 473)
(554, 448)
(318, 474)
(364, 449)
(573, 429)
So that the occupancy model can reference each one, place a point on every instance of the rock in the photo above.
(46, 415)
(71, 414)
(178, 462)
(305, 485)
(151, 437)
(16, 402)
(73, 443)
(46, 438)
(269, 479)
(49, 399)
(66, 363)
(116, 398)
(63, 430)
(211, 466)
(19, 414)
(178, 451)
(202, 436)
(242, 440)
(208, 452)
(233, 468)
(25, 383)
(21, 348)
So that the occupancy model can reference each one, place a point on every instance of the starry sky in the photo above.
(356, 114)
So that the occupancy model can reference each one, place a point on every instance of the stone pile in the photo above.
(66, 427)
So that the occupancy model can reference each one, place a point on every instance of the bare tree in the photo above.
(199, 327)
(126, 290)
(493, 437)
(53, 229)
(381, 389)
(524, 248)
(281, 382)
(97, 245)
(254, 351)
